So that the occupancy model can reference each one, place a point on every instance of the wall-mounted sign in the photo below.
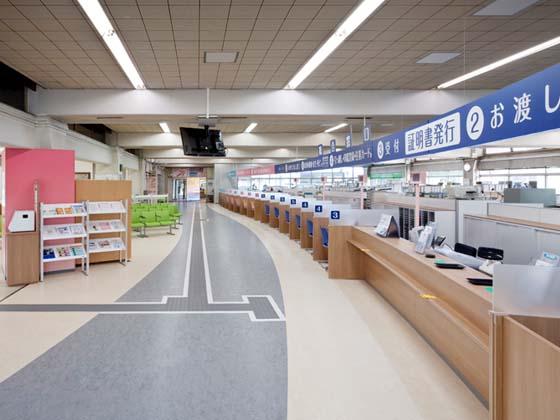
(529, 106)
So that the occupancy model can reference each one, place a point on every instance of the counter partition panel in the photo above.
(525, 343)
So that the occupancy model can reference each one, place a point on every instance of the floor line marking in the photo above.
(209, 295)
(189, 253)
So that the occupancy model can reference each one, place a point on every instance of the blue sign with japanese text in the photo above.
(527, 107)
(320, 150)
(333, 145)
(348, 140)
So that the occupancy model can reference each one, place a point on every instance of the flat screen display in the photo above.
(202, 142)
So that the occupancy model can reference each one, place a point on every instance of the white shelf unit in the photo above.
(118, 224)
(65, 251)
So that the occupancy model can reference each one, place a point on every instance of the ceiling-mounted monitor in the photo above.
(202, 142)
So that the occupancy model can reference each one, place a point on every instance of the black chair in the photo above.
(492, 254)
(465, 249)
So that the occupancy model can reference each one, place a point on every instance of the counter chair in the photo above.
(310, 228)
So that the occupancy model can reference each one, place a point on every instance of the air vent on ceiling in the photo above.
(438, 58)
(505, 7)
(220, 57)
(109, 117)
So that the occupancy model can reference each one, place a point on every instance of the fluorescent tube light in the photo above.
(336, 127)
(250, 127)
(99, 19)
(522, 54)
(164, 127)
(355, 19)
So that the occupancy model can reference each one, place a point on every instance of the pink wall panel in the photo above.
(54, 171)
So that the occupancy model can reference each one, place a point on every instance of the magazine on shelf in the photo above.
(105, 207)
(63, 209)
(105, 225)
(106, 244)
(63, 230)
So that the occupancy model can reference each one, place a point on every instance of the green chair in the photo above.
(164, 219)
(137, 224)
(174, 213)
(149, 220)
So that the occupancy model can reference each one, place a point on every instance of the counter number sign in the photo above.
(318, 208)
(335, 215)
(263, 195)
(293, 201)
(304, 204)
(272, 197)
(282, 199)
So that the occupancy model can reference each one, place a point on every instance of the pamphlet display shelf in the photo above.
(72, 232)
(107, 226)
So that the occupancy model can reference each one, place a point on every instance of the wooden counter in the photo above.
(306, 241)
(320, 253)
(451, 314)
(283, 224)
(274, 221)
(294, 231)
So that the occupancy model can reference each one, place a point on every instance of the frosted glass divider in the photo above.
(357, 217)
(527, 290)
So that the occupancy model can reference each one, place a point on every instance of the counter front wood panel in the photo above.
(294, 231)
(283, 224)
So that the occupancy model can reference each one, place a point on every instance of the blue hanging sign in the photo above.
(333, 145)
(367, 132)
(319, 150)
(348, 140)
(529, 106)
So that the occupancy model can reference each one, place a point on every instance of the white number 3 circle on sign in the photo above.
(380, 150)
(475, 122)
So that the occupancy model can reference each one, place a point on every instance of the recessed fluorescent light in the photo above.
(336, 127)
(164, 127)
(250, 127)
(356, 18)
(502, 62)
(438, 58)
(505, 7)
(99, 19)
(220, 57)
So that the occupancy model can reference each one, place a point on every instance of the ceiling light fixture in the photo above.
(250, 127)
(164, 127)
(522, 54)
(355, 19)
(505, 7)
(336, 127)
(99, 19)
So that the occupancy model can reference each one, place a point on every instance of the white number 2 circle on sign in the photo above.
(475, 122)
(380, 150)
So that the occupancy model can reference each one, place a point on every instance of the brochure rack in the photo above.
(112, 219)
(74, 234)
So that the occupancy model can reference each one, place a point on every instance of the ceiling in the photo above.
(52, 43)
(230, 125)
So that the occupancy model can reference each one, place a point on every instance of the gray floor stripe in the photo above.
(174, 364)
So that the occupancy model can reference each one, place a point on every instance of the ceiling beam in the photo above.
(250, 102)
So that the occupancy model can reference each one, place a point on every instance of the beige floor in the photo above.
(27, 335)
(351, 356)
